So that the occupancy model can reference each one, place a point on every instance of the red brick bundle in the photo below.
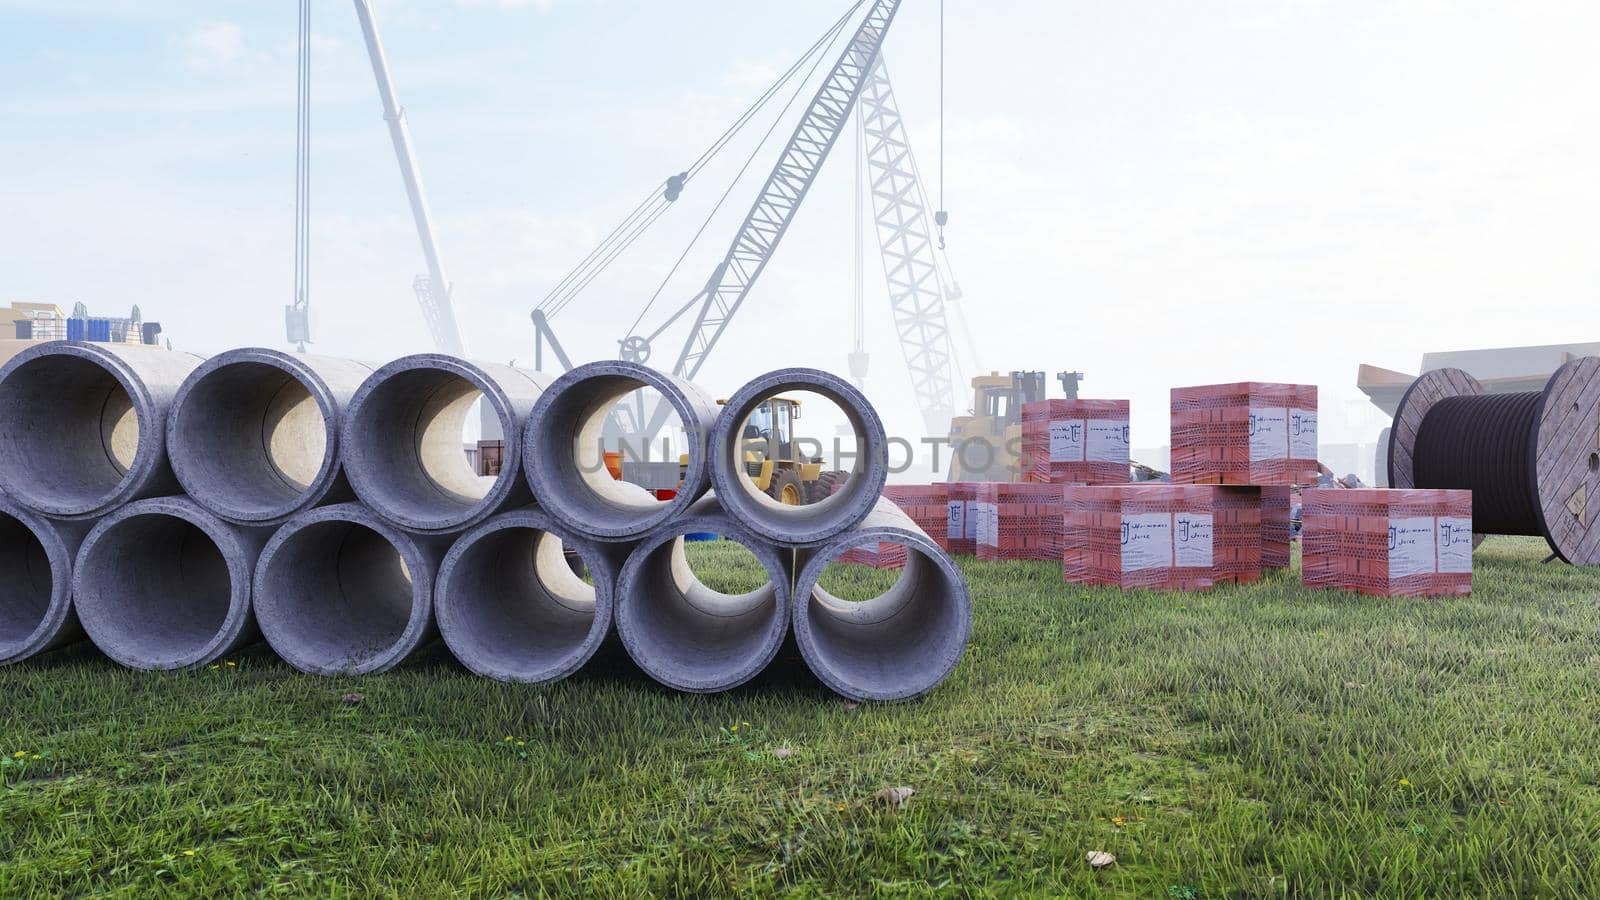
(1276, 531)
(1020, 521)
(961, 517)
(1387, 542)
(1161, 536)
(1075, 441)
(1245, 433)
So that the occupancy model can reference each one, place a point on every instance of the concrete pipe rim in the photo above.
(355, 429)
(149, 448)
(812, 523)
(628, 616)
(20, 645)
(563, 488)
(918, 547)
(190, 474)
(420, 569)
(236, 557)
(451, 606)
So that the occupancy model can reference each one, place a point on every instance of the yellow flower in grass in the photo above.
(1405, 782)
(19, 754)
(188, 853)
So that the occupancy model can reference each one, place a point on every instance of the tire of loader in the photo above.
(786, 488)
(826, 483)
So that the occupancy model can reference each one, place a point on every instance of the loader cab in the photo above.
(771, 430)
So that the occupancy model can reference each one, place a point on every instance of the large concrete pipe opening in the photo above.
(35, 583)
(751, 429)
(163, 584)
(573, 427)
(402, 441)
(340, 591)
(893, 646)
(512, 608)
(686, 629)
(254, 433)
(85, 425)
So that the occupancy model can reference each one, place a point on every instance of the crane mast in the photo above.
(916, 290)
(432, 289)
(775, 207)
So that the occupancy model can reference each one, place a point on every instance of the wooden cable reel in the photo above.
(1531, 460)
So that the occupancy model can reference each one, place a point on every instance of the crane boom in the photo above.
(433, 289)
(916, 291)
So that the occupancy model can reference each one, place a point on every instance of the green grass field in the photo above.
(1264, 741)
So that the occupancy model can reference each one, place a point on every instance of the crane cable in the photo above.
(942, 217)
(302, 166)
(826, 41)
(657, 199)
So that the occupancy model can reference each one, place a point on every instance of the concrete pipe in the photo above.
(401, 441)
(85, 425)
(511, 607)
(164, 584)
(811, 523)
(687, 635)
(566, 439)
(340, 591)
(895, 646)
(36, 555)
(254, 433)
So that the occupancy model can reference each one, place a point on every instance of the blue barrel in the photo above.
(100, 330)
(699, 536)
(76, 330)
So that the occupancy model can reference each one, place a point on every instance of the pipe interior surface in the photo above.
(26, 583)
(161, 591)
(409, 434)
(255, 436)
(517, 609)
(71, 433)
(338, 593)
(581, 479)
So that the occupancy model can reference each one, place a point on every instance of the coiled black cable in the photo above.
(1485, 443)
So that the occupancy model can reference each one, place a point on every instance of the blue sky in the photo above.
(1153, 192)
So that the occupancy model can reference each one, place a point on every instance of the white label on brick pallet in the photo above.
(1302, 434)
(1067, 440)
(1411, 546)
(1146, 541)
(1108, 441)
(955, 522)
(969, 520)
(1192, 539)
(1269, 433)
(1455, 545)
(988, 533)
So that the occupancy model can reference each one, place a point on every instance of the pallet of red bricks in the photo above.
(925, 505)
(1249, 432)
(1387, 542)
(1020, 520)
(1161, 536)
(961, 518)
(1075, 441)
(1276, 531)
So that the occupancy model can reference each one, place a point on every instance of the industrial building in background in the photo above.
(23, 324)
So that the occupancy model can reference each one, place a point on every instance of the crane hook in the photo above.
(941, 219)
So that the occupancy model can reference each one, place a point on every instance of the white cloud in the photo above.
(216, 45)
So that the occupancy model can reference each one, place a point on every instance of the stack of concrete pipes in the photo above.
(178, 507)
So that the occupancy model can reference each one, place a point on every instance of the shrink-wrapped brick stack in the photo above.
(1075, 441)
(181, 507)
(1020, 521)
(1162, 536)
(1248, 432)
(961, 517)
(1387, 542)
(924, 504)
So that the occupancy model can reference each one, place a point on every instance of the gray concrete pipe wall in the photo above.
(401, 442)
(36, 556)
(564, 459)
(339, 590)
(685, 634)
(815, 522)
(164, 584)
(86, 425)
(511, 608)
(898, 645)
(253, 434)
